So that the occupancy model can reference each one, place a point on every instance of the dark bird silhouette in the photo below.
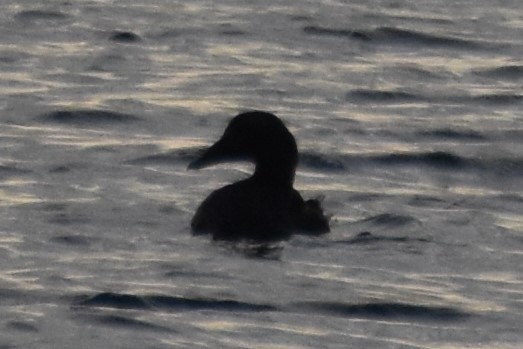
(264, 207)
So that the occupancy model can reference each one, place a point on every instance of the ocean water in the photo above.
(408, 116)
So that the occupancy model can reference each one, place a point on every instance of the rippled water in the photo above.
(408, 118)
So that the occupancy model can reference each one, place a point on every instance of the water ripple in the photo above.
(87, 117)
(36, 15)
(393, 35)
(126, 301)
(388, 311)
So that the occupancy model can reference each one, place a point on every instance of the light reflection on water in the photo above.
(510, 221)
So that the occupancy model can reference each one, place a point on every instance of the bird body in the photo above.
(265, 206)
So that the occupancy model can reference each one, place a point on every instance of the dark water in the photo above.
(408, 118)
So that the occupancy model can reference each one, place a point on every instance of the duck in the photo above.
(264, 207)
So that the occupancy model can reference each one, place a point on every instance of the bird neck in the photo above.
(276, 174)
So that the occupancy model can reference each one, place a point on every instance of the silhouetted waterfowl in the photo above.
(265, 206)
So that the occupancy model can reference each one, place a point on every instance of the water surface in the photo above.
(408, 118)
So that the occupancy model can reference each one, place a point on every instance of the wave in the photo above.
(506, 72)
(399, 96)
(9, 171)
(436, 159)
(127, 322)
(496, 99)
(34, 15)
(114, 300)
(392, 35)
(383, 96)
(229, 30)
(389, 311)
(320, 162)
(72, 240)
(368, 238)
(344, 33)
(457, 135)
(441, 160)
(61, 169)
(126, 301)
(447, 161)
(22, 326)
(388, 219)
(419, 200)
(504, 167)
(66, 219)
(181, 303)
(125, 37)
(86, 117)
(416, 72)
(375, 310)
